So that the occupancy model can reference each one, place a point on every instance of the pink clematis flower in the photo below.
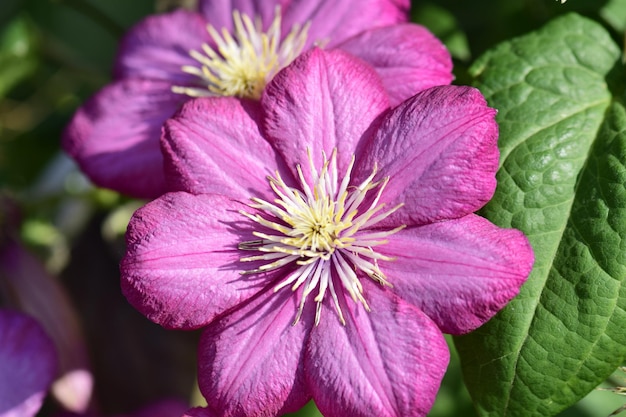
(28, 363)
(325, 241)
(233, 48)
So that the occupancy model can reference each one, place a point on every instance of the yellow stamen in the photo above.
(323, 233)
(242, 64)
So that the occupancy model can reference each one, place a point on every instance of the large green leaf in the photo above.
(562, 181)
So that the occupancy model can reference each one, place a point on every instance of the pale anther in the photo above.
(319, 233)
(242, 63)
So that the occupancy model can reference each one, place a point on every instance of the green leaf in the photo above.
(562, 181)
(614, 13)
(443, 24)
(16, 56)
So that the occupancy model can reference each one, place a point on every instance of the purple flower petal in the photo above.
(440, 151)
(158, 47)
(220, 13)
(388, 362)
(405, 52)
(213, 145)
(324, 100)
(250, 361)
(459, 272)
(182, 265)
(28, 363)
(333, 21)
(114, 137)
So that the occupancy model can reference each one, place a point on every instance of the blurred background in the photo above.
(54, 54)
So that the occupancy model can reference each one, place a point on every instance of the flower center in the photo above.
(243, 63)
(324, 234)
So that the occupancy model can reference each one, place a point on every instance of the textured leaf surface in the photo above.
(562, 181)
